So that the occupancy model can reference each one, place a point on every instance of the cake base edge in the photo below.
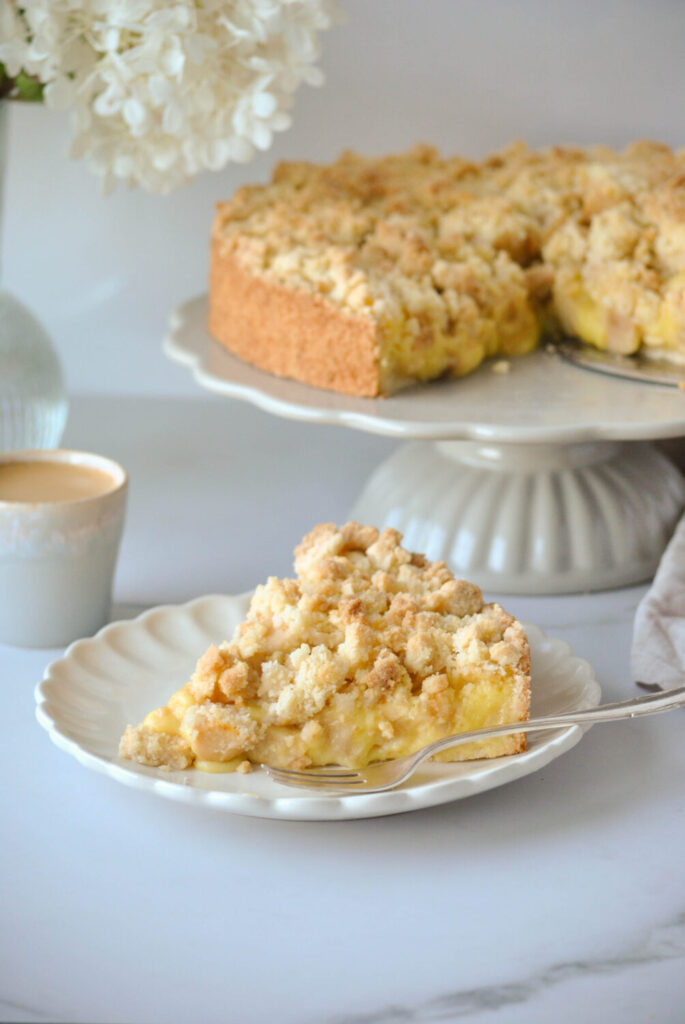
(289, 332)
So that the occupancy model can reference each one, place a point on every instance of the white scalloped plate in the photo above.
(87, 698)
(541, 398)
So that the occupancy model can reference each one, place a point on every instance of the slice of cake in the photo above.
(369, 654)
(367, 275)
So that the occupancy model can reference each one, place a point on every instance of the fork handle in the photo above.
(652, 704)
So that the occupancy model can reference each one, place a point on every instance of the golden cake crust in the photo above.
(289, 332)
(368, 274)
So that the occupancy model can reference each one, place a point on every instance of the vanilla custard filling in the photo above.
(370, 654)
(455, 261)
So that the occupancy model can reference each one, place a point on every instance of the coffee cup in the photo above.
(61, 519)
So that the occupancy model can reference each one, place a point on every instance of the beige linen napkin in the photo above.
(658, 654)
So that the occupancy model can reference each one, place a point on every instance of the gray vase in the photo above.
(33, 401)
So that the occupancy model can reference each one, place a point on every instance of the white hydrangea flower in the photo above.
(12, 39)
(160, 90)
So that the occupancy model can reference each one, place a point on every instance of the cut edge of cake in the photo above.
(334, 275)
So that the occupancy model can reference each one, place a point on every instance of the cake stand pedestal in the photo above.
(539, 481)
(530, 519)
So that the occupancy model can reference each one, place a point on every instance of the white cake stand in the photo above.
(542, 480)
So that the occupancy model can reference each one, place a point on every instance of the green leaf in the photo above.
(28, 88)
(6, 83)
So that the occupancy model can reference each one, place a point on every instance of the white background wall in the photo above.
(468, 75)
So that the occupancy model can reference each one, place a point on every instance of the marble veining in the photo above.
(22, 1013)
(665, 941)
(81, 851)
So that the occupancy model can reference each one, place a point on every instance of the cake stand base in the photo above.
(521, 481)
(531, 518)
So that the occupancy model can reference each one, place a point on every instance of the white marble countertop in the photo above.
(559, 897)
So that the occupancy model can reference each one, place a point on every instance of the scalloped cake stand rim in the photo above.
(540, 400)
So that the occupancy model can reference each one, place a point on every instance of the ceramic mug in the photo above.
(57, 557)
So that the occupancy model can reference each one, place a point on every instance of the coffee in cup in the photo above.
(61, 519)
(37, 481)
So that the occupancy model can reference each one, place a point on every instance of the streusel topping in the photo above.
(366, 627)
(466, 256)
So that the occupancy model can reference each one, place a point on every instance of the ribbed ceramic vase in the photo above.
(33, 401)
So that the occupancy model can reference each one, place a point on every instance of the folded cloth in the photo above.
(658, 654)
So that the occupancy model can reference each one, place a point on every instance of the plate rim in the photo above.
(299, 807)
(261, 394)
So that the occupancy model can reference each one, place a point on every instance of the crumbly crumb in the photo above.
(159, 749)
(455, 261)
(368, 632)
(245, 767)
(501, 366)
(300, 764)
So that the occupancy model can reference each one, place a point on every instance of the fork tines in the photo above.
(333, 776)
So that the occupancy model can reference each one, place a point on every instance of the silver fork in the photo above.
(374, 778)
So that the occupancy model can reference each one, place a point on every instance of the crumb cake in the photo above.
(370, 653)
(369, 274)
